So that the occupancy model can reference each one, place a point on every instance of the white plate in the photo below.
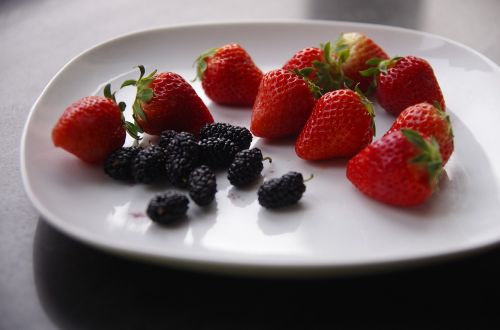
(334, 229)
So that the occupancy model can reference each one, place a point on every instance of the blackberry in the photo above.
(246, 167)
(241, 136)
(118, 165)
(283, 191)
(148, 165)
(165, 137)
(202, 185)
(217, 152)
(168, 207)
(183, 154)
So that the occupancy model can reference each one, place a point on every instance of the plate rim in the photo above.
(228, 265)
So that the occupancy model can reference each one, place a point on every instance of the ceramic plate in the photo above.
(334, 229)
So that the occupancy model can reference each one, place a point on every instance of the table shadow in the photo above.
(80, 287)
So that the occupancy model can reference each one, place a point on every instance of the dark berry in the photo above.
(165, 137)
(283, 191)
(246, 167)
(168, 207)
(148, 165)
(217, 152)
(183, 154)
(241, 136)
(202, 185)
(118, 165)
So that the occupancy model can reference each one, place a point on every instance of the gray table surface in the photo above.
(50, 281)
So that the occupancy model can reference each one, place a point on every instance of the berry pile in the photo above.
(183, 161)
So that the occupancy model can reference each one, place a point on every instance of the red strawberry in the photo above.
(402, 168)
(282, 106)
(305, 58)
(354, 49)
(228, 75)
(429, 121)
(405, 81)
(166, 101)
(91, 128)
(340, 125)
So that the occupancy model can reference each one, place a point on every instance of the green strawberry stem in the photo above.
(330, 75)
(268, 159)
(304, 73)
(446, 117)
(428, 156)
(143, 94)
(369, 107)
(377, 66)
(201, 62)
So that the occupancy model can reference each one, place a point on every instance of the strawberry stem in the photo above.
(315, 89)
(369, 107)
(201, 62)
(428, 156)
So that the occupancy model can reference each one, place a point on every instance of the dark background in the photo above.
(48, 280)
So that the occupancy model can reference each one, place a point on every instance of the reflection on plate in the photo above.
(334, 229)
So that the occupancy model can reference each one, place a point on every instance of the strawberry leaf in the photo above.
(415, 138)
(369, 72)
(145, 95)
(132, 130)
(315, 89)
(137, 109)
(369, 107)
(142, 71)
(374, 61)
(107, 92)
(128, 83)
(201, 62)
(428, 154)
(122, 106)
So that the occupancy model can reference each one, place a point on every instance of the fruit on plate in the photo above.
(246, 167)
(241, 136)
(183, 156)
(118, 165)
(148, 166)
(283, 191)
(283, 104)
(401, 168)
(90, 128)
(217, 152)
(228, 75)
(167, 101)
(404, 81)
(429, 121)
(353, 50)
(202, 185)
(340, 125)
(166, 208)
(305, 58)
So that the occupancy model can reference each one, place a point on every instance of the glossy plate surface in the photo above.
(334, 229)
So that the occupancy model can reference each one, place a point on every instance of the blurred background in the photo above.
(48, 280)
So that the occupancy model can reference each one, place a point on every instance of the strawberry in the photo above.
(429, 121)
(167, 101)
(282, 105)
(303, 59)
(340, 125)
(353, 50)
(228, 75)
(90, 128)
(402, 168)
(404, 81)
